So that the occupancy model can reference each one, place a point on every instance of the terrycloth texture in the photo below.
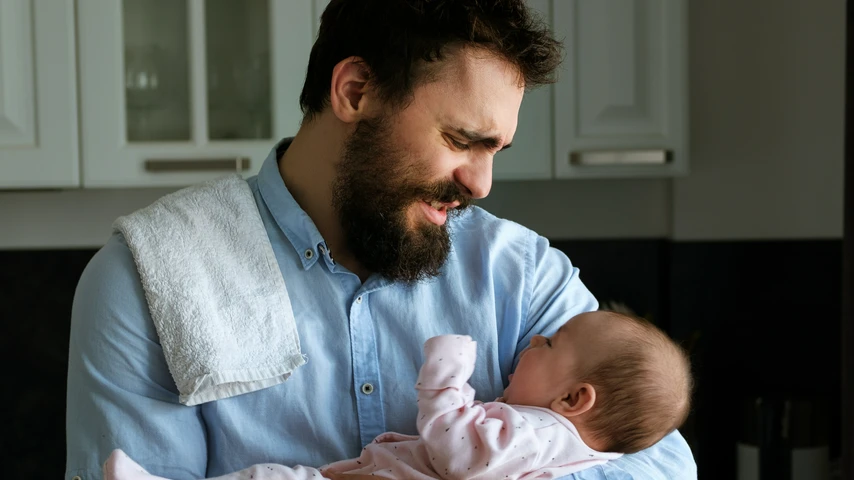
(214, 290)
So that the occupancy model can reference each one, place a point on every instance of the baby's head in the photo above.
(621, 381)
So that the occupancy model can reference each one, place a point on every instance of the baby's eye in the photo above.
(548, 341)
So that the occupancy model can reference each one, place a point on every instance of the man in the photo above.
(368, 211)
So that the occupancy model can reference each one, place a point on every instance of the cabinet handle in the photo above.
(184, 165)
(620, 157)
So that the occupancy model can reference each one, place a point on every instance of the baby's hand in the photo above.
(500, 400)
(448, 362)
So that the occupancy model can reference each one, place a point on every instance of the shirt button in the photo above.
(367, 389)
(309, 253)
(359, 299)
(77, 477)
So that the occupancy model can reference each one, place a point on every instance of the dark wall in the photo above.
(36, 292)
(761, 319)
(767, 315)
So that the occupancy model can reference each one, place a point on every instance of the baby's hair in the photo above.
(643, 386)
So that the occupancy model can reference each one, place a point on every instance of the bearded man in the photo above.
(368, 211)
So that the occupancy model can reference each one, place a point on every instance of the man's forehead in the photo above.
(473, 66)
(495, 118)
(485, 126)
(482, 99)
(477, 80)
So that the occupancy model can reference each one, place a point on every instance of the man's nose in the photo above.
(475, 176)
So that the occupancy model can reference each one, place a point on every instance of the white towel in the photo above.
(214, 290)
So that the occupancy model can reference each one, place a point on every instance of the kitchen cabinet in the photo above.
(173, 92)
(621, 102)
(38, 102)
(531, 155)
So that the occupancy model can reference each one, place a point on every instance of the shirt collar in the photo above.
(291, 218)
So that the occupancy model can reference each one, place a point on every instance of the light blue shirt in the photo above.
(502, 284)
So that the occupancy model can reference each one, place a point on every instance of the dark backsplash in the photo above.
(761, 317)
(36, 292)
(764, 318)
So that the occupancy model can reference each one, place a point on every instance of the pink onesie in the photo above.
(460, 438)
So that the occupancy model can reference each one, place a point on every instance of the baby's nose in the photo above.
(537, 340)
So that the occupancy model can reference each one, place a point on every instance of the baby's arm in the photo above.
(120, 467)
(466, 439)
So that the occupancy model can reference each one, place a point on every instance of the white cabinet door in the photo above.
(620, 104)
(530, 158)
(38, 97)
(178, 91)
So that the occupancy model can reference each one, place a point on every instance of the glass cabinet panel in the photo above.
(185, 82)
(156, 70)
(237, 38)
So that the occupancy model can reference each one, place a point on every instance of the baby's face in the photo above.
(548, 367)
(544, 371)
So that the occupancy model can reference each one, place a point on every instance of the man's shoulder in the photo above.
(109, 302)
(482, 242)
(110, 276)
(478, 225)
(113, 258)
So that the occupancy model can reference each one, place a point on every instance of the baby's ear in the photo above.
(577, 400)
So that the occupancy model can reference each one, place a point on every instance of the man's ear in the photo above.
(577, 400)
(349, 85)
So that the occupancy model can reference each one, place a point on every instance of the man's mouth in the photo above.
(442, 206)
(436, 211)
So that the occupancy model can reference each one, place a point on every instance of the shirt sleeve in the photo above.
(669, 458)
(120, 392)
(557, 294)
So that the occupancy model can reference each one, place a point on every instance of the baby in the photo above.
(603, 385)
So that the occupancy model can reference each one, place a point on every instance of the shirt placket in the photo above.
(366, 372)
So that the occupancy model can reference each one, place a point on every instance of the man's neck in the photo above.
(308, 168)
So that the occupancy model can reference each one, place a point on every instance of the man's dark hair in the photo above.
(400, 40)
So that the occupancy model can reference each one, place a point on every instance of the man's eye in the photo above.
(457, 144)
(548, 342)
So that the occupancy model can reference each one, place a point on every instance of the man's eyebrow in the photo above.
(488, 141)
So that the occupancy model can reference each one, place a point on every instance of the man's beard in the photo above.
(375, 186)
